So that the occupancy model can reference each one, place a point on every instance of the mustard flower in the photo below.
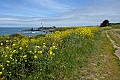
(6, 56)
(7, 64)
(20, 48)
(25, 60)
(1, 65)
(3, 68)
(44, 46)
(1, 44)
(53, 47)
(7, 41)
(26, 46)
(7, 47)
(24, 56)
(30, 51)
(39, 52)
(35, 57)
(51, 52)
(44, 43)
(16, 60)
(0, 73)
(37, 46)
(14, 51)
(13, 44)
(10, 56)
(35, 51)
(8, 61)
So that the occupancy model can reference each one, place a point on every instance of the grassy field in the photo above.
(117, 26)
(118, 32)
(73, 54)
(115, 38)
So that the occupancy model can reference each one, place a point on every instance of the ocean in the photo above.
(14, 30)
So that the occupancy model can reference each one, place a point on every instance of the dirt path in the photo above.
(117, 51)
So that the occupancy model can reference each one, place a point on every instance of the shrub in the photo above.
(16, 35)
(104, 23)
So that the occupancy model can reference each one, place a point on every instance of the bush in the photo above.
(16, 35)
(104, 23)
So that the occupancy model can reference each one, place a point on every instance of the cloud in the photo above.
(52, 12)
(71, 21)
(53, 5)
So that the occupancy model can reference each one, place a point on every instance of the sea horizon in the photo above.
(14, 30)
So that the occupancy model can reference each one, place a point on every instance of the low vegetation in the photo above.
(70, 54)
(115, 38)
(118, 32)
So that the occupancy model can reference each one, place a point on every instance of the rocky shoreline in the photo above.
(44, 29)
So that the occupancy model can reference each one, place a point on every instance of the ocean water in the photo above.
(14, 30)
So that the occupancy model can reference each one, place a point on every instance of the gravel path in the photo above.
(117, 51)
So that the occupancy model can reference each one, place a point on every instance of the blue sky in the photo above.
(31, 13)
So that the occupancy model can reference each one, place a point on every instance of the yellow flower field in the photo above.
(21, 57)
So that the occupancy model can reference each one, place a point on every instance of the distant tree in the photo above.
(104, 23)
(53, 26)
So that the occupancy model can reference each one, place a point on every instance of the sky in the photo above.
(31, 13)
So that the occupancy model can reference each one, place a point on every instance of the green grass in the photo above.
(117, 26)
(92, 60)
(118, 32)
(78, 58)
(71, 58)
(115, 38)
(103, 64)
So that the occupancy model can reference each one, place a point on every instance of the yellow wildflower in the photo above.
(6, 56)
(44, 46)
(1, 65)
(20, 48)
(16, 60)
(1, 44)
(44, 43)
(53, 47)
(30, 51)
(35, 51)
(9, 72)
(39, 52)
(14, 51)
(24, 56)
(35, 57)
(10, 56)
(26, 46)
(0, 73)
(7, 41)
(25, 60)
(51, 52)
(13, 44)
(7, 47)
(8, 61)
(7, 64)
(2, 68)
(37, 46)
